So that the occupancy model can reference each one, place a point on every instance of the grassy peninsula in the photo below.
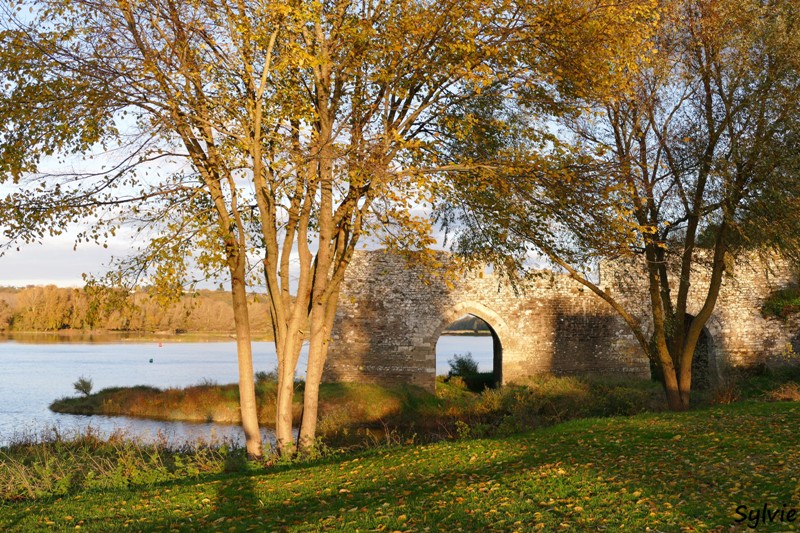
(352, 413)
(349, 410)
(212, 402)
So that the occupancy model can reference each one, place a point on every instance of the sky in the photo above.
(55, 262)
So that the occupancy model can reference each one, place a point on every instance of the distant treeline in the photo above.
(94, 308)
(52, 308)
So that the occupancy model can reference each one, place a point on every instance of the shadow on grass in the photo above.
(664, 472)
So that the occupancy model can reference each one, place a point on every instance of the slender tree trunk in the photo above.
(308, 427)
(247, 390)
(318, 342)
(283, 412)
(317, 354)
(285, 399)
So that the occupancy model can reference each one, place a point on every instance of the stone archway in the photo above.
(705, 367)
(497, 327)
(392, 311)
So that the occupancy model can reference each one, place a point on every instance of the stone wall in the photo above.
(391, 315)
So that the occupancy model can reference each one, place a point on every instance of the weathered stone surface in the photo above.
(391, 315)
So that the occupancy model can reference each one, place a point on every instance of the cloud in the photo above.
(55, 262)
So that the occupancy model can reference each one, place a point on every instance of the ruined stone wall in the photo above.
(391, 315)
(741, 335)
(738, 333)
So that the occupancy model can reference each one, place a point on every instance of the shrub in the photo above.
(55, 464)
(463, 365)
(726, 391)
(263, 377)
(782, 303)
(626, 401)
(480, 381)
(83, 385)
(785, 392)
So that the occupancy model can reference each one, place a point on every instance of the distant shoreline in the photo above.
(467, 333)
(112, 337)
(103, 336)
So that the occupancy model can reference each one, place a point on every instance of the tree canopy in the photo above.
(236, 134)
(690, 158)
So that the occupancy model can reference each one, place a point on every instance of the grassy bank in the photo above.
(349, 411)
(665, 472)
(211, 402)
(355, 413)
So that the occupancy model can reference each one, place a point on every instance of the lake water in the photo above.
(33, 375)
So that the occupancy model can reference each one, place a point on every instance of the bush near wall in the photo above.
(782, 303)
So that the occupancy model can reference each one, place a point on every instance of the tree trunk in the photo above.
(308, 426)
(685, 374)
(285, 399)
(247, 388)
(320, 298)
(671, 382)
(322, 324)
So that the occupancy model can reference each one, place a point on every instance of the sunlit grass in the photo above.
(661, 471)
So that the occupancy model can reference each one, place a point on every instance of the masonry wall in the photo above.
(391, 315)
(739, 334)
(742, 336)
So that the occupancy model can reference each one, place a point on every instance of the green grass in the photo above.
(663, 471)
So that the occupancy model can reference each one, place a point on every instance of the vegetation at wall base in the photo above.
(463, 366)
(782, 303)
(664, 471)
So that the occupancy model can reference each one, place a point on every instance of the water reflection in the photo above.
(170, 434)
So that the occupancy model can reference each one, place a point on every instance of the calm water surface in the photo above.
(33, 375)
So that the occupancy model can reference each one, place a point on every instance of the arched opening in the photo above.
(704, 368)
(469, 347)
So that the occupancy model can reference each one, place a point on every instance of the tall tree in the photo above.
(690, 156)
(289, 129)
(140, 84)
(356, 156)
